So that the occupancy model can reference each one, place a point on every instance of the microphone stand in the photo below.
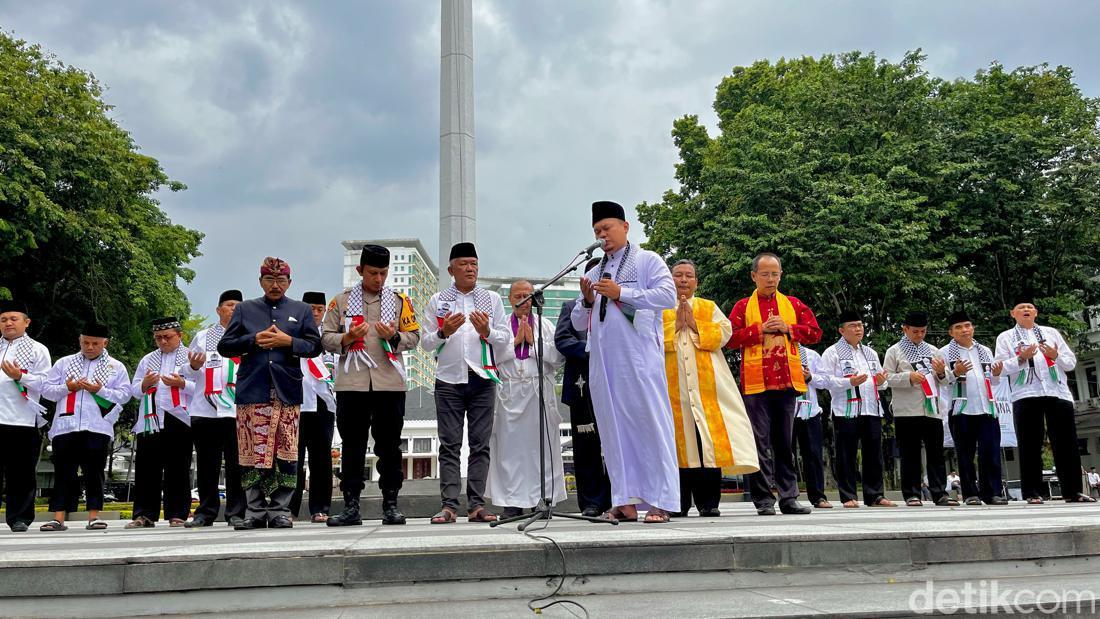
(544, 510)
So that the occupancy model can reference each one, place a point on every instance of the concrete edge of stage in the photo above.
(163, 560)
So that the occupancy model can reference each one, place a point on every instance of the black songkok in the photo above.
(604, 209)
(374, 256)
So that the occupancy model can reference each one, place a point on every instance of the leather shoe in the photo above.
(710, 513)
(198, 521)
(247, 524)
(235, 520)
(280, 522)
(591, 512)
(794, 508)
(997, 500)
(767, 510)
(19, 527)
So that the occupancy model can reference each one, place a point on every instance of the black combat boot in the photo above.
(350, 515)
(390, 513)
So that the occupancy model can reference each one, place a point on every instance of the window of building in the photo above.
(1083, 446)
(422, 468)
(422, 446)
(1071, 382)
(404, 445)
(1092, 379)
(1010, 454)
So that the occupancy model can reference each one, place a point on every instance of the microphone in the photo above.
(603, 300)
(593, 247)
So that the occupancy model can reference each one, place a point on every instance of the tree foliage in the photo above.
(886, 189)
(81, 235)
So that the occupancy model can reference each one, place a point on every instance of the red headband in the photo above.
(274, 266)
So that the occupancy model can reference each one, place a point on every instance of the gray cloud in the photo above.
(297, 125)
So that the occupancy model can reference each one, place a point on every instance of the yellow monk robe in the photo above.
(707, 409)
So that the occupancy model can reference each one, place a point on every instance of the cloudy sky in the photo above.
(296, 125)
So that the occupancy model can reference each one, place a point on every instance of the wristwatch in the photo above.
(439, 333)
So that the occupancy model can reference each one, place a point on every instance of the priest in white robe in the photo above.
(623, 298)
(513, 481)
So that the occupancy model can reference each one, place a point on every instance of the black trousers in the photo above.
(315, 439)
(86, 451)
(913, 433)
(808, 438)
(163, 466)
(359, 415)
(772, 417)
(978, 435)
(19, 447)
(703, 484)
(853, 435)
(216, 441)
(473, 404)
(593, 485)
(1030, 415)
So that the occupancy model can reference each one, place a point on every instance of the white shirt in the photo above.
(807, 406)
(461, 352)
(15, 410)
(1041, 384)
(837, 373)
(952, 480)
(977, 400)
(1094, 478)
(87, 413)
(199, 405)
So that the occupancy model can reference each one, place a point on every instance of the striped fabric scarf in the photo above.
(221, 394)
(102, 372)
(920, 357)
(853, 397)
(985, 357)
(22, 352)
(802, 401)
(1020, 335)
(627, 273)
(355, 315)
(483, 302)
(149, 421)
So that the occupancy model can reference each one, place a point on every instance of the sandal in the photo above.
(882, 502)
(914, 503)
(618, 514)
(176, 522)
(141, 522)
(853, 504)
(445, 516)
(96, 525)
(480, 514)
(946, 501)
(823, 504)
(319, 518)
(1080, 498)
(973, 501)
(1035, 501)
(657, 515)
(53, 525)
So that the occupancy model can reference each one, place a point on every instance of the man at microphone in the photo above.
(623, 297)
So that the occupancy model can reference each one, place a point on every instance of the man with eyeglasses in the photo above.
(271, 335)
(768, 327)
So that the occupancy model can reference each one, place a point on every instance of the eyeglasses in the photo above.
(165, 338)
(282, 281)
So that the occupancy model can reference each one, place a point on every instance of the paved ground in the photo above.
(836, 561)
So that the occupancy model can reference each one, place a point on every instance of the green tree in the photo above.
(81, 235)
(886, 189)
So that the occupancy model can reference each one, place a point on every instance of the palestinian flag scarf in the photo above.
(355, 314)
(22, 352)
(920, 357)
(483, 302)
(853, 397)
(149, 420)
(954, 353)
(1020, 335)
(219, 373)
(101, 371)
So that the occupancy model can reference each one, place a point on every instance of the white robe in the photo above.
(513, 479)
(626, 374)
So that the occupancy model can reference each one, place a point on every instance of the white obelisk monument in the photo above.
(457, 207)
